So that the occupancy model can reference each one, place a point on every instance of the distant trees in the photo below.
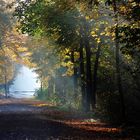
(10, 45)
(4, 25)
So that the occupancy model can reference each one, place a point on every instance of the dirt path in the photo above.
(35, 120)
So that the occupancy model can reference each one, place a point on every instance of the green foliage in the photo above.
(41, 94)
(129, 37)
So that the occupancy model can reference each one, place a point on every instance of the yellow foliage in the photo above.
(123, 9)
(87, 17)
(98, 40)
(93, 34)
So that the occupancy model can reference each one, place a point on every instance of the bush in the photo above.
(41, 94)
(109, 106)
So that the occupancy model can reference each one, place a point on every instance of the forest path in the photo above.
(24, 119)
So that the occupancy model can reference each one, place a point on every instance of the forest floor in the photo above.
(24, 119)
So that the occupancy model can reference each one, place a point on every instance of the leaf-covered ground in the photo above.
(36, 120)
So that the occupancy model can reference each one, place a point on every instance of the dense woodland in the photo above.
(85, 52)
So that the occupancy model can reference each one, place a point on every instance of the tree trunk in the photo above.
(41, 85)
(88, 68)
(5, 81)
(75, 75)
(118, 74)
(96, 65)
(51, 87)
(82, 72)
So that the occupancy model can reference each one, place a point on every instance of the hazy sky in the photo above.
(26, 80)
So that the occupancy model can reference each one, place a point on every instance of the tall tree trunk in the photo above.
(96, 65)
(5, 82)
(88, 68)
(51, 87)
(75, 75)
(5, 87)
(118, 74)
(82, 71)
(41, 85)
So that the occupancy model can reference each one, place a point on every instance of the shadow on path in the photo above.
(21, 120)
